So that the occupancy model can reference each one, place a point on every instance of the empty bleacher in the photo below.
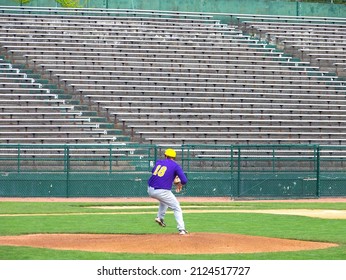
(169, 78)
(31, 113)
(321, 41)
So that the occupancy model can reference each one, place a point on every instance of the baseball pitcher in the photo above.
(165, 173)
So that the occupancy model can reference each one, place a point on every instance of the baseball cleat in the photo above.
(160, 222)
(183, 231)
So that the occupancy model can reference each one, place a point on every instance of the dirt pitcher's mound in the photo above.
(193, 243)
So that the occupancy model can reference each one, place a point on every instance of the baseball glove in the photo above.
(178, 185)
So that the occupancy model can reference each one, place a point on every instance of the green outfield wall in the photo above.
(268, 7)
(261, 171)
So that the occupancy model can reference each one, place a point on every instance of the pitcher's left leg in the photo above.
(171, 201)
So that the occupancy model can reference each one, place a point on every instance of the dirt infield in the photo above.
(194, 243)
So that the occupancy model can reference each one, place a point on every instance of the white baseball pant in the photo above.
(168, 200)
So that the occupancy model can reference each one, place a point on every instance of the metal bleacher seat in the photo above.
(30, 113)
(168, 78)
(301, 36)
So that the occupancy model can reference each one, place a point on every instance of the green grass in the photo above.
(82, 219)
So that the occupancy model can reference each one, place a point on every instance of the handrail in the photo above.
(201, 15)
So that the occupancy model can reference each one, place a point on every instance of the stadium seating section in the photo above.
(171, 78)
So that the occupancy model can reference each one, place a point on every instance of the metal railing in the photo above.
(262, 171)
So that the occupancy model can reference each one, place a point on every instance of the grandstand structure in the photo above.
(171, 78)
(89, 90)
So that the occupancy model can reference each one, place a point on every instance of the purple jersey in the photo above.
(163, 174)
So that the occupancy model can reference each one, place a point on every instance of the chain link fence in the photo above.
(244, 171)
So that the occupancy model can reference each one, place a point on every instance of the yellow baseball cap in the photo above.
(170, 153)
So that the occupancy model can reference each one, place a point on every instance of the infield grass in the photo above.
(73, 217)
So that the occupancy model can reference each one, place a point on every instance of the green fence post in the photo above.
(110, 159)
(188, 159)
(149, 151)
(274, 161)
(18, 159)
(182, 155)
(318, 183)
(67, 168)
(238, 183)
(155, 153)
(298, 8)
(232, 170)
